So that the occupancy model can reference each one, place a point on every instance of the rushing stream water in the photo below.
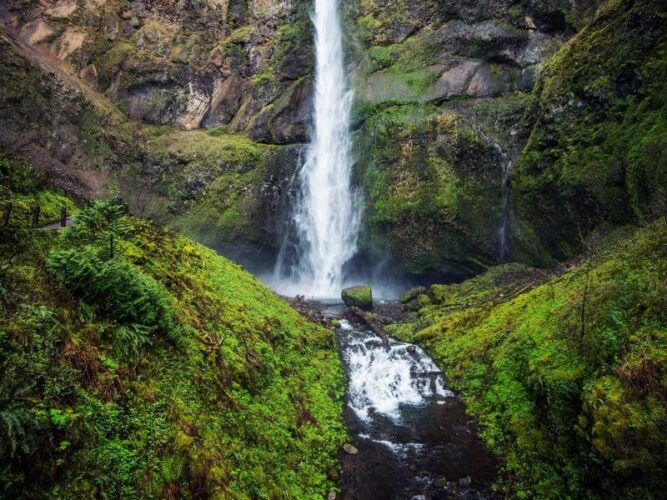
(413, 437)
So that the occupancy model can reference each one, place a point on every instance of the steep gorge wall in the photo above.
(198, 112)
(567, 97)
(146, 77)
(243, 65)
(441, 90)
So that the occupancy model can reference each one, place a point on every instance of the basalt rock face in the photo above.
(119, 91)
(597, 143)
(440, 92)
(190, 65)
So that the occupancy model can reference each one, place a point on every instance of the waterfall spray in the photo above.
(326, 215)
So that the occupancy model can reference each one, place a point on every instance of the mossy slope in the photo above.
(170, 372)
(564, 371)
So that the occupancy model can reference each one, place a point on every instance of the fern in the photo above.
(14, 419)
(118, 290)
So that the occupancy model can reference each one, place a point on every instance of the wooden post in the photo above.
(63, 217)
(7, 213)
(35, 216)
(111, 245)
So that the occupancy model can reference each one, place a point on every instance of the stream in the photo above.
(413, 437)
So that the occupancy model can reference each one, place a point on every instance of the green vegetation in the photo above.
(155, 368)
(25, 188)
(596, 151)
(422, 201)
(564, 371)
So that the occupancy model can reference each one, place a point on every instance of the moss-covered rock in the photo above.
(412, 294)
(359, 296)
(597, 134)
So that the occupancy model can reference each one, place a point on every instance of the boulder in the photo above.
(350, 449)
(359, 296)
(412, 294)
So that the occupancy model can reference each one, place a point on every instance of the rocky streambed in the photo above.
(411, 437)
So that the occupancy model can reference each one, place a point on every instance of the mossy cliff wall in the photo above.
(597, 139)
(109, 91)
(245, 65)
(569, 98)
(448, 96)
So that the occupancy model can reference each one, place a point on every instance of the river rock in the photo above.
(360, 296)
(411, 349)
(350, 449)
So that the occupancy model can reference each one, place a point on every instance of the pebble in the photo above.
(465, 482)
(349, 449)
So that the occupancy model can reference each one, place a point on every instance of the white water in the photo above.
(327, 213)
(382, 381)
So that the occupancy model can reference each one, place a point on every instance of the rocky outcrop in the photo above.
(443, 98)
(596, 139)
(210, 64)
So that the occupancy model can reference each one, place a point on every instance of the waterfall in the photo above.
(326, 215)
(503, 240)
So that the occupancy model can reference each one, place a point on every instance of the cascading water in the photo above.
(327, 215)
(503, 239)
(414, 439)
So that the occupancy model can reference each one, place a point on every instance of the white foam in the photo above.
(381, 381)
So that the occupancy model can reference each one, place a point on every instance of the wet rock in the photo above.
(412, 294)
(465, 482)
(350, 449)
(287, 119)
(359, 296)
(411, 349)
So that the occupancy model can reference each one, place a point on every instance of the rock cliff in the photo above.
(477, 124)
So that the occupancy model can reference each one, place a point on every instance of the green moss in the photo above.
(594, 152)
(247, 403)
(262, 78)
(416, 163)
(25, 188)
(560, 398)
(360, 296)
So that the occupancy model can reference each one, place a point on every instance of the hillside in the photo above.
(563, 369)
(162, 370)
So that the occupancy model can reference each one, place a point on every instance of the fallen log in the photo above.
(375, 326)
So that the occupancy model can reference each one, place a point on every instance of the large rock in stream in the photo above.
(359, 296)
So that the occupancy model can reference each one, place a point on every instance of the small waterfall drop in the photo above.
(326, 215)
(413, 436)
(503, 236)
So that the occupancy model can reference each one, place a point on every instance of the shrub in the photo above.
(118, 290)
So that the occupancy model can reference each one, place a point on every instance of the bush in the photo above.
(118, 290)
